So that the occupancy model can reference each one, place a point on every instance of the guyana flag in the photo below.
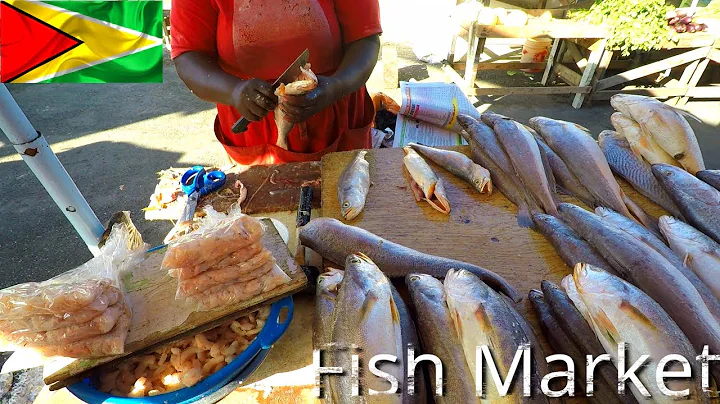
(80, 41)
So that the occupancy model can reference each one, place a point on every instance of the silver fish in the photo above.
(438, 336)
(487, 151)
(712, 177)
(568, 244)
(634, 170)
(365, 318)
(698, 201)
(483, 317)
(524, 153)
(353, 186)
(651, 272)
(566, 180)
(328, 284)
(698, 251)
(666, 125)
(584, 158)
(458, 164)
(619, 312)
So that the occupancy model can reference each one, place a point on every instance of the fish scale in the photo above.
(637, 172)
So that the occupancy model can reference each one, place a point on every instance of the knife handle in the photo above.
(240, 126)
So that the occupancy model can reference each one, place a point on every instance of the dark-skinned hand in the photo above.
(254, 98)
(299, 108)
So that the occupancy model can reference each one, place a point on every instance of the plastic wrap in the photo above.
(236, 292)
(257, 266)
(80, 313)
(212, 241)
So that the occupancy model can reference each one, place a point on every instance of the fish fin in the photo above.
(458, 325)
(370, 300)
(394, 311)
(582, 128)
(687, 259)
(523, 217)
(606, 325)
(482, 318)
(684, 113)
(639, 215)
(635, 150)
(636, 314)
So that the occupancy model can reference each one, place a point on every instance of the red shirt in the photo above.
(259, 39)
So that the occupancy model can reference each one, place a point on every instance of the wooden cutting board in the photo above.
(480, 229)
(158, 318)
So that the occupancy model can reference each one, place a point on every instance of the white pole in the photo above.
(37, 154)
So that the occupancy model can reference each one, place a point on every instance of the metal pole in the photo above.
(37, 154)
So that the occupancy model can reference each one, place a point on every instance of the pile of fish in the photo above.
(359, 312)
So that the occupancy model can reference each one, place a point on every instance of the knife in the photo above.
(287, 77)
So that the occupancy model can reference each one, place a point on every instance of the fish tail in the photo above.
(523, 217)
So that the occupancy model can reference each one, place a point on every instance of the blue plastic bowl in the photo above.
(247, 361)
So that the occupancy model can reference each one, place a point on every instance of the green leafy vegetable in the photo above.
(637, 25)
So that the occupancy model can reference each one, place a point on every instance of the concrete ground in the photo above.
(113, 139)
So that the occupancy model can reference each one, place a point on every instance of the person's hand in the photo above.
(254, 98)
(298, 108)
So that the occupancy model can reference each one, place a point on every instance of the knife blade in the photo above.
(287, 77)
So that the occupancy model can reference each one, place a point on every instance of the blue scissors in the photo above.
(197, 182)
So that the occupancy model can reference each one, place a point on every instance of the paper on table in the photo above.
(435, 103)
(409, 130)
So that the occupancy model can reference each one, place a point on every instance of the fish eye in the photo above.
(346, 205)
(355, 260)
(477, 181)
(321, 280)
(414, 278)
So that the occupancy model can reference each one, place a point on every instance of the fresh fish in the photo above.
(365, 321)
(566, 180)
(424, 182)
(622, 312)
(571, 248)
(326, 292)
(694, 312)
(438, 336)
(712, 177)
(698, 201)
(698, 251)
(666, 125)
(572, 322)
(640, 233)
(334, 240)
(482, 317)
(487, 151)
(524, 153)
(641, 143)
(634, 170)
(563, 344)
(353, 186)
(303, 84)
(584, 158)
(458, 164)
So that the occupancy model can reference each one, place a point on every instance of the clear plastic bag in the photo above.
(218, 236)
(236, 292)
(257, 266)
(80, 313)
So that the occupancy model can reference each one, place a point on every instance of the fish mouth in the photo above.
(350, 213)
(363, 257)
(484, 185)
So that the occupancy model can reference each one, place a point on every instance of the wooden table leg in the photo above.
(551, 61)
(684, 80)
(694, 80)
(601, 69)
(470, 66)
(589, 72)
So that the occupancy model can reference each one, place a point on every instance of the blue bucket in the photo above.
(212, 388)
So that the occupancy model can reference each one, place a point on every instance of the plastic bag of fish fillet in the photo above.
(224, 261)
(82, 313)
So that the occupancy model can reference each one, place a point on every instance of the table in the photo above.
(699, 50)
(591, 36)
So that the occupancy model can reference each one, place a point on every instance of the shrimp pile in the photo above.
(224, 265)
(305, 82)
(80, 319)
(182, 363)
